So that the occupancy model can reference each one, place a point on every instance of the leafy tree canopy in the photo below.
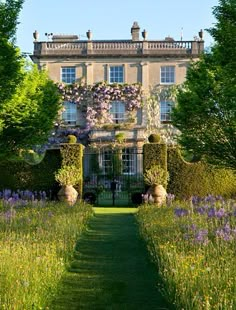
(10, 59)
(28, 117)
(206, 109)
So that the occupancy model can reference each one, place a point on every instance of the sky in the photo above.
(112, 20)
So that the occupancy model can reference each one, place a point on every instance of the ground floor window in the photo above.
(119, 162)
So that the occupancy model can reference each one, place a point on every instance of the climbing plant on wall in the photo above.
(157, 94)
(95, 100)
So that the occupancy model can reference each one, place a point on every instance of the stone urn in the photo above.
(159, 194)
(68, 194)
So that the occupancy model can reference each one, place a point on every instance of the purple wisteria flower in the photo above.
(96, 100)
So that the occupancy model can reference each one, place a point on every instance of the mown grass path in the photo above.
(111, 269)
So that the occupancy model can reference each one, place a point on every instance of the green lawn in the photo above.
(111, 268)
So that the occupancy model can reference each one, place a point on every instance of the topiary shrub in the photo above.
(72, 155)
(154, 138)
(72, 139)
(154, 154)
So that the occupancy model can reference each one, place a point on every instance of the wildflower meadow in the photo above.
(37, 240)
(194, 247)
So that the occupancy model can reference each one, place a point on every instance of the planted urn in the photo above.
(67, 177)
(157, 177)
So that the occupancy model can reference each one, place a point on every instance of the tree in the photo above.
(29, 100)
(206, 104)
(30, 114)
(10, 58)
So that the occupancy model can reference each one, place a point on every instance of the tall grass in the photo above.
(194, 247)
(36, 244)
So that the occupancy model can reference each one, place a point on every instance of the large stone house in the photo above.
(122, 112)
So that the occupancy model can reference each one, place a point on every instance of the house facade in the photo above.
(129, 82)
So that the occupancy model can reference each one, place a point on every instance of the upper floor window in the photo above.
(165, 110)
(68, 75)
(118, 111)
(168, 75)
(116, 74)
(69, 115)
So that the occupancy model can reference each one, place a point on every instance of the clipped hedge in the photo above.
(72, 155)
(21, 175)
(200, 179)
(154, 154)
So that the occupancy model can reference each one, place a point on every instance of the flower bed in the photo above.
(194, 246)
(37, 240)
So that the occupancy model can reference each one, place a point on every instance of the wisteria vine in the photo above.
(95, 100)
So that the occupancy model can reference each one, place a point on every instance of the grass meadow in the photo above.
(193, 245)
(37, 240)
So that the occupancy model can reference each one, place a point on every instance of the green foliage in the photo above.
(72, 139)
(154, 138)
(37, 244)
(68, 175)
(194, 261)
(21, 175)
(72, 155)
(154, 154)
(10, 59)
(29, 116)
(156, 175)
(9, 12)
(206, 110)
(120, 137)
(200, 178)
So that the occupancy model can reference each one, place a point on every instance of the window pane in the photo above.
(165, 110)
(116, 74)
(128, 161)
(68, 75)
(167, 74)
(69, 115)
(118, 111)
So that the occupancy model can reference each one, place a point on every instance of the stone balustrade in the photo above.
(123, 48)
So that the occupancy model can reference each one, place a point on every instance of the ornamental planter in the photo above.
(159, 194)
(68, 194)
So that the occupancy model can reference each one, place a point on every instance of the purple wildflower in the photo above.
(211, 213)
(220, 213)
(179, 212)
(201, 236)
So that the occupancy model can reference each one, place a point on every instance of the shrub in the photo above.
(154, 154)
(68, 175)
(154, 138)
(198, 179)
(72, 155)
(72, 139)
(156, 175)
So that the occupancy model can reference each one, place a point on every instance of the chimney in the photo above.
(135, 31)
